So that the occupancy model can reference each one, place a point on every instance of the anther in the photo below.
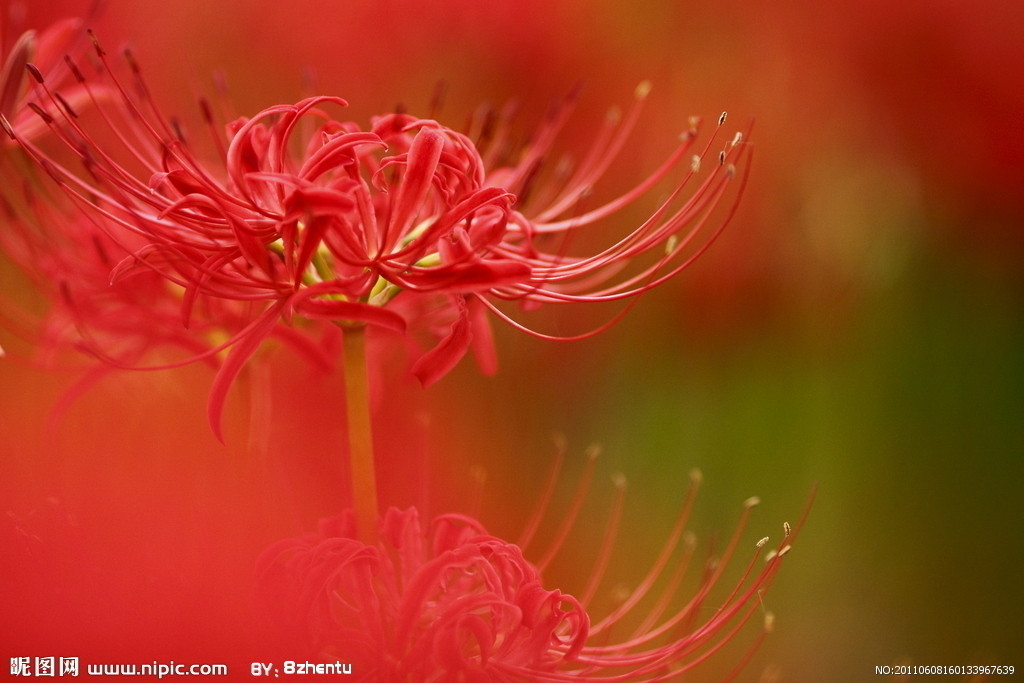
(643, 90)
(696, 476)
(36, 74)
(730, 171)
(47, 119)
(74, 69)
(488, 126)
(179, 132)
(100, 52)
(132, 63)
(671, 243)
(769, 622)
(67, 107)
(100, 250)
(721, 158)
(721, 119)
(695, 163)
(7, 127)
(788, 529)
(738, 138)
(619, 481)
(207, 112)
(751, 502)
(785, 549)
(760, 544)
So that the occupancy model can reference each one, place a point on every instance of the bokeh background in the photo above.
(858, 328)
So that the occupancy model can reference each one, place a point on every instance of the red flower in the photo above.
(406, 224)
(451, 602)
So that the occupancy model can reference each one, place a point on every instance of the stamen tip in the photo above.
(787, 528)
(769, 622)
(129, 57)
(35, 72)
(74, 69)
(47, 119)
(619, 481)
(753, 501)
(784, 550)
(206, 110)
(593, 450)
(696, 476)
(643, 89)
(695, 163)
(67, 107)
(721, 119)
(760, 544)
(96, 43)
(6, 125)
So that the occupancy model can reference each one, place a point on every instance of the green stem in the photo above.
(360, 435)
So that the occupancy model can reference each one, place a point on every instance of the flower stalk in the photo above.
(360, 435)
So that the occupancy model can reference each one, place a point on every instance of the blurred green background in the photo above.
(859, 327)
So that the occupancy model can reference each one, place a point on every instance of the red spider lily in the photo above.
(305, 217)
(451, 602)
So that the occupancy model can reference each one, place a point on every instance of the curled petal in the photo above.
(240, 353)
(438, 361)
